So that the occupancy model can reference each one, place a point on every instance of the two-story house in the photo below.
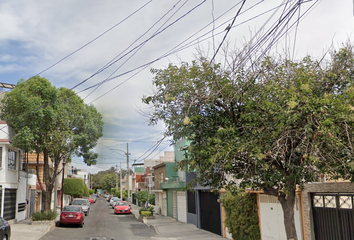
(12, 199)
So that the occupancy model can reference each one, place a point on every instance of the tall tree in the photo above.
(272, 126)
(52, 121)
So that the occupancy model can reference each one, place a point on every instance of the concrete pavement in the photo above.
(168, 228)
(25, 230)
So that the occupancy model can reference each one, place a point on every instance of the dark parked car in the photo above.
(72, 215)
(5, 229)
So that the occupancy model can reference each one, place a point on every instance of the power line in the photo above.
(172, 51)
(94, 39)
(228, 30)
(159, 32)
(143, 42)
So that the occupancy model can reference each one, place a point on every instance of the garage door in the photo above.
(333, 216)
(181, 206)
(10, 204)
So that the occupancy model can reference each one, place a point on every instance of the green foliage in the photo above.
(141, 196)
(108, 182)
(146, 212)
(117, 193)
(53, 121)
(44, 215)
(151, 199)
(272, 126)
(74, 187)
(92, 191)
(86, 191)
(241, 215)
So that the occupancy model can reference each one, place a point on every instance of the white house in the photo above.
(13, 202)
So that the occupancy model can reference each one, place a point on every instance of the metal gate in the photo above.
(10, 204)
(210, 218)
(333, 216)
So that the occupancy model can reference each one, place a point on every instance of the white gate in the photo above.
(182, 206)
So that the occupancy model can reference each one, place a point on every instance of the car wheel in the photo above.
(87, 213)
(81, 225)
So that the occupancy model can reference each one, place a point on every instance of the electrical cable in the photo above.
(113, 62)
(165, 55)
(144, 42)
(93, 39)
(228, 30)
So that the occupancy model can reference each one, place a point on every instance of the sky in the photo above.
(104, 51)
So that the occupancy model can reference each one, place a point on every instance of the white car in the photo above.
(113, 199)
(84, 203)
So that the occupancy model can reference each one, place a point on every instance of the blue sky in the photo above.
(34, 35)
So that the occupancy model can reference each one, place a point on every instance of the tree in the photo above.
(86, 191)
(273, 125)
(108, 181)
(52, 121)
(74, 186)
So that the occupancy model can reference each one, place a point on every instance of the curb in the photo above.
(154, 228)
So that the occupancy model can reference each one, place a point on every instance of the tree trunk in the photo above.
(288, 204)
(47, 195)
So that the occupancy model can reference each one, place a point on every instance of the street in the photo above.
(101, 224)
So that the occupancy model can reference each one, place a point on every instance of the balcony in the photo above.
(172, 182)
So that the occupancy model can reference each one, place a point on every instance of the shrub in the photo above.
(146, 214)
(73, 186)
(44, 215)
(86, 191)
(241, 215)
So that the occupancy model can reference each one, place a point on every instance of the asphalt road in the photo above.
(103, 224)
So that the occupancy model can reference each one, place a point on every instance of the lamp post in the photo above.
(62, 187)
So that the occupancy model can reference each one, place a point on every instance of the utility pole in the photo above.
(116, 178)
(120, 181)
(128, 172)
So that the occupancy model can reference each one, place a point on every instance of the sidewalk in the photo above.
(25, 230)
(168, 228)
(171, 229)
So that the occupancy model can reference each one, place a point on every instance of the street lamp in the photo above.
(62, 187)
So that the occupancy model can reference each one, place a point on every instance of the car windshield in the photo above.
(71, 209)
(79, 202)
(121, 204)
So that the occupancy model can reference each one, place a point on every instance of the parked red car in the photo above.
(122, 207)
(90, 200)
(72, 215)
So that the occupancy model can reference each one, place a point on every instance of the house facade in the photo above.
(13, 201)
(202, 205)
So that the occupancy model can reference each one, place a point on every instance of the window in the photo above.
(161, 177)
(181, 175)
(12, 160)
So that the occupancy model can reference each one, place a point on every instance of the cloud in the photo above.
(36, 35)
